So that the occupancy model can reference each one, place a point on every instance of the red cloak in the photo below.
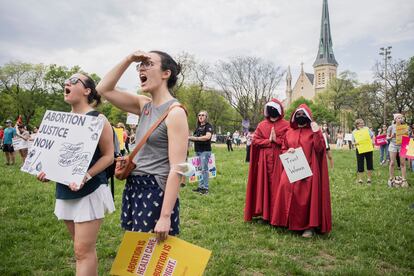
(306, 203)
(265, 166)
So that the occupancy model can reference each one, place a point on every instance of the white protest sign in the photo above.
(196, 162)
(132, 119)
(295, 164)
(348, 137)
(19, 143)
(64, 146)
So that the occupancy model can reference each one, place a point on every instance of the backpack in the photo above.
(110, 171)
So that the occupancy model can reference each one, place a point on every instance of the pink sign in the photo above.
(407, 147)
(381, 140)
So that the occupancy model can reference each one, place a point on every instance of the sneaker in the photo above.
(369, 182)
(389, 183)
(309, 233)
(204, 191)
(404, 183)
(359, 181)
(197, 190)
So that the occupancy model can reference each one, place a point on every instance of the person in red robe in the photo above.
(305, 205)
(265, 165)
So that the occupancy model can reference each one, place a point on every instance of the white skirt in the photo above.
(90, 207)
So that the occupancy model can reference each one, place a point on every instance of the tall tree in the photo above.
(247, 83)
(24, 82)
(399, 85)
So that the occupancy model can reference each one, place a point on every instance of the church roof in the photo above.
(325, 52)
(310, 77)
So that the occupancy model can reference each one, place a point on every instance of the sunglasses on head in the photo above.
(74, 80)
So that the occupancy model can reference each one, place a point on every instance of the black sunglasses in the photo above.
(74, 80)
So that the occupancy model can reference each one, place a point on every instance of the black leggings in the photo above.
(360, 161)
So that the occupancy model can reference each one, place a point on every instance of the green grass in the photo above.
(373, 227)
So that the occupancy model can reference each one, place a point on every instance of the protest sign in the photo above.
(119, 131)
(381, 140)
(132, 119)
(407, 147)
(295, 164)
(363, 140)
(400, 130)
(19, 143)
(140, 254)
(348, 137)
(64, 146)
(196, 162)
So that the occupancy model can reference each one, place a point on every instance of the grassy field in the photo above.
(373, 227)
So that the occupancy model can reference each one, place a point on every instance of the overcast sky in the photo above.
(97, 34)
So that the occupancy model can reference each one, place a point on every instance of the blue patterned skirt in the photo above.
(141, 205)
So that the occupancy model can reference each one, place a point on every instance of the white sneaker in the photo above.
(308, 233)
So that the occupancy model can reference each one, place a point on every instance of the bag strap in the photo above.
(153, 127)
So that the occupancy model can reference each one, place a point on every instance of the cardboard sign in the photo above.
(64, 146)
(132, 119)
(348, 137)
(400, 131)
(296, 165)
(119, 131)
(363, 139)
(196, 162)
(19, 143)
(381, 140)
(407, 147)
(139, 254)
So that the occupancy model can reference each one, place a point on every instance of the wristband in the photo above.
(87, 177)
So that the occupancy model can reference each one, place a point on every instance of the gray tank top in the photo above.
(152, 158)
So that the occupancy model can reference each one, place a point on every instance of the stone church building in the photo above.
(324, 67)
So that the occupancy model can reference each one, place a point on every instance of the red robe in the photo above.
(305, 203)
(265, 168)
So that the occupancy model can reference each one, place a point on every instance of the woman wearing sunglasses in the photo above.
(82, 208)
(150, 199)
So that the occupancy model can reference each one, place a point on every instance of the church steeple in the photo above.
(289, 86)
(325, 53)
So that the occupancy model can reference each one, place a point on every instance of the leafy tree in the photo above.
(247, 83)
(399, 86)
(23, 82)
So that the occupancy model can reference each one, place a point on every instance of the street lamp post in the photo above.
(386, 52)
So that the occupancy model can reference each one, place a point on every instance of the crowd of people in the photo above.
(150, 201)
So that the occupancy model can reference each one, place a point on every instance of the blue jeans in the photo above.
(385, 155)
(204, 157)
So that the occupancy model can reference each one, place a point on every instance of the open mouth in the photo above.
(67, 91)
(143, 78)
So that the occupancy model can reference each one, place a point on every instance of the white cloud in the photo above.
(97, 34)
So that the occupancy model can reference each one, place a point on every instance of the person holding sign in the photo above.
(383, 143)
(305, 205)
(150, 199)
(362, 138)
(395, 133)
(82, 208)
(24, 136)
(202, 147)
(265, 166)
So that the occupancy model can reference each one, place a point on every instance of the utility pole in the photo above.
(386, 52)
